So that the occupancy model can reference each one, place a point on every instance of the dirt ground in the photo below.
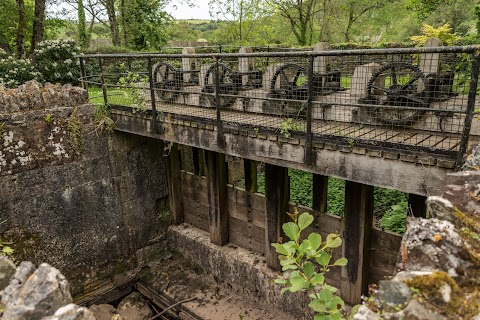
(181, 280)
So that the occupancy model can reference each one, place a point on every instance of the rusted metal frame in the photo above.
(355, 52)
(152, 96)
(102, 82)
(308, 143)
(83, 76)
(472, 92)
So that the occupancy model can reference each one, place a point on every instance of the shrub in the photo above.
(394, 219)
(56, 61)
(3, 54)
(14, 72)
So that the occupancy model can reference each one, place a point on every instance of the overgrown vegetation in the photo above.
(306, 262)
(390, 206)
(5, 247)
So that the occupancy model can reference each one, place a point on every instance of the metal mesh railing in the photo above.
(415, 100)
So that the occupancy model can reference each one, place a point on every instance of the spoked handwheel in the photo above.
(229, 84)
(289, 82)
(399, 85)
(168, 80)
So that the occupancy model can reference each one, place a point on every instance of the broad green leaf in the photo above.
(325, 295)
(318, 279)
(341, 262)
(280, 281)
(336, 303)
(280, 248)
(317, 306)
(298, 283)
(335, 316)
(333, 241)
(304, 246)
(294, 274)
(305, 220)
(290, 267)
(323, 258)
(308, 269)
(285, 290)
(287, 262)
(291, 230)
(332, 289)
(315, 240)
(321, 316)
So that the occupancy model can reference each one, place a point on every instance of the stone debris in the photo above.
(71, 312)
(132, 307)
(33, 294)
(393, 293)
(32, 95)
(7, 271)
(472, 162)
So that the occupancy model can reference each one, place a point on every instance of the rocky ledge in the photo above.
(33, 95)
(439, 262)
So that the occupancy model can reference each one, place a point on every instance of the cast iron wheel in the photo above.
(401, 85)
(168, 80)
(290, 82)
(229, 84)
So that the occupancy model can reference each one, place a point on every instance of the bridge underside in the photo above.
(259, 137)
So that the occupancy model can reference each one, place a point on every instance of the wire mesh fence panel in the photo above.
(411, 100)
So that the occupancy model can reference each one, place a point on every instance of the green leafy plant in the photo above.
(394, 219)
(48, 118)
(135, 92)
(289, 125)
(5, 248)
(103, 118)
(307, 261)
(57, 62)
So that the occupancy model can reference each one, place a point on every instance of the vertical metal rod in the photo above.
(83, 76)
(217, 104)
(308, 144)
(102, 81)
(472, 92)
(152, 96)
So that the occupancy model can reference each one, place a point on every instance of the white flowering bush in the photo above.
(56, 61)
(14, 72)
(3, 54)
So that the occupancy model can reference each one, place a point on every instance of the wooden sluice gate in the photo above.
(394, 118)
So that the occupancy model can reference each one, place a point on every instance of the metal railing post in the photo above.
(472, 92)
(152, 96)
(217, 105)
(102, 82)
(308, 143)
(83, 76)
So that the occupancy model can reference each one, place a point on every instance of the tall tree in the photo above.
(355, 9)
(300, 15)
(21, 29)
(38, 24)
(112, 18)
(244, 18)
(123, 16)
(83, 35)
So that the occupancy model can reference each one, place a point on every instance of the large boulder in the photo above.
(34, 294)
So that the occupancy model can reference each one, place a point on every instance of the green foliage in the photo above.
(56, 61)
(14, 72)
(146, 22)
(5, 247)
(48, 118)
(288, 126)
(394, 219)
(103, 119)
(136, 93)
(307, 261)
(444, 33)
(83, 35)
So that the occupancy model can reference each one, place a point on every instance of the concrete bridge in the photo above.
(394, 118)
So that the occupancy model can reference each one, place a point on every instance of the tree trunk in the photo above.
(38, 27)
(22, 25)
(112, 18)
(124, 22)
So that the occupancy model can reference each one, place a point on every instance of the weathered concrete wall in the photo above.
(81, 200)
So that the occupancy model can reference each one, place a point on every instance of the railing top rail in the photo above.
(443, 49)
